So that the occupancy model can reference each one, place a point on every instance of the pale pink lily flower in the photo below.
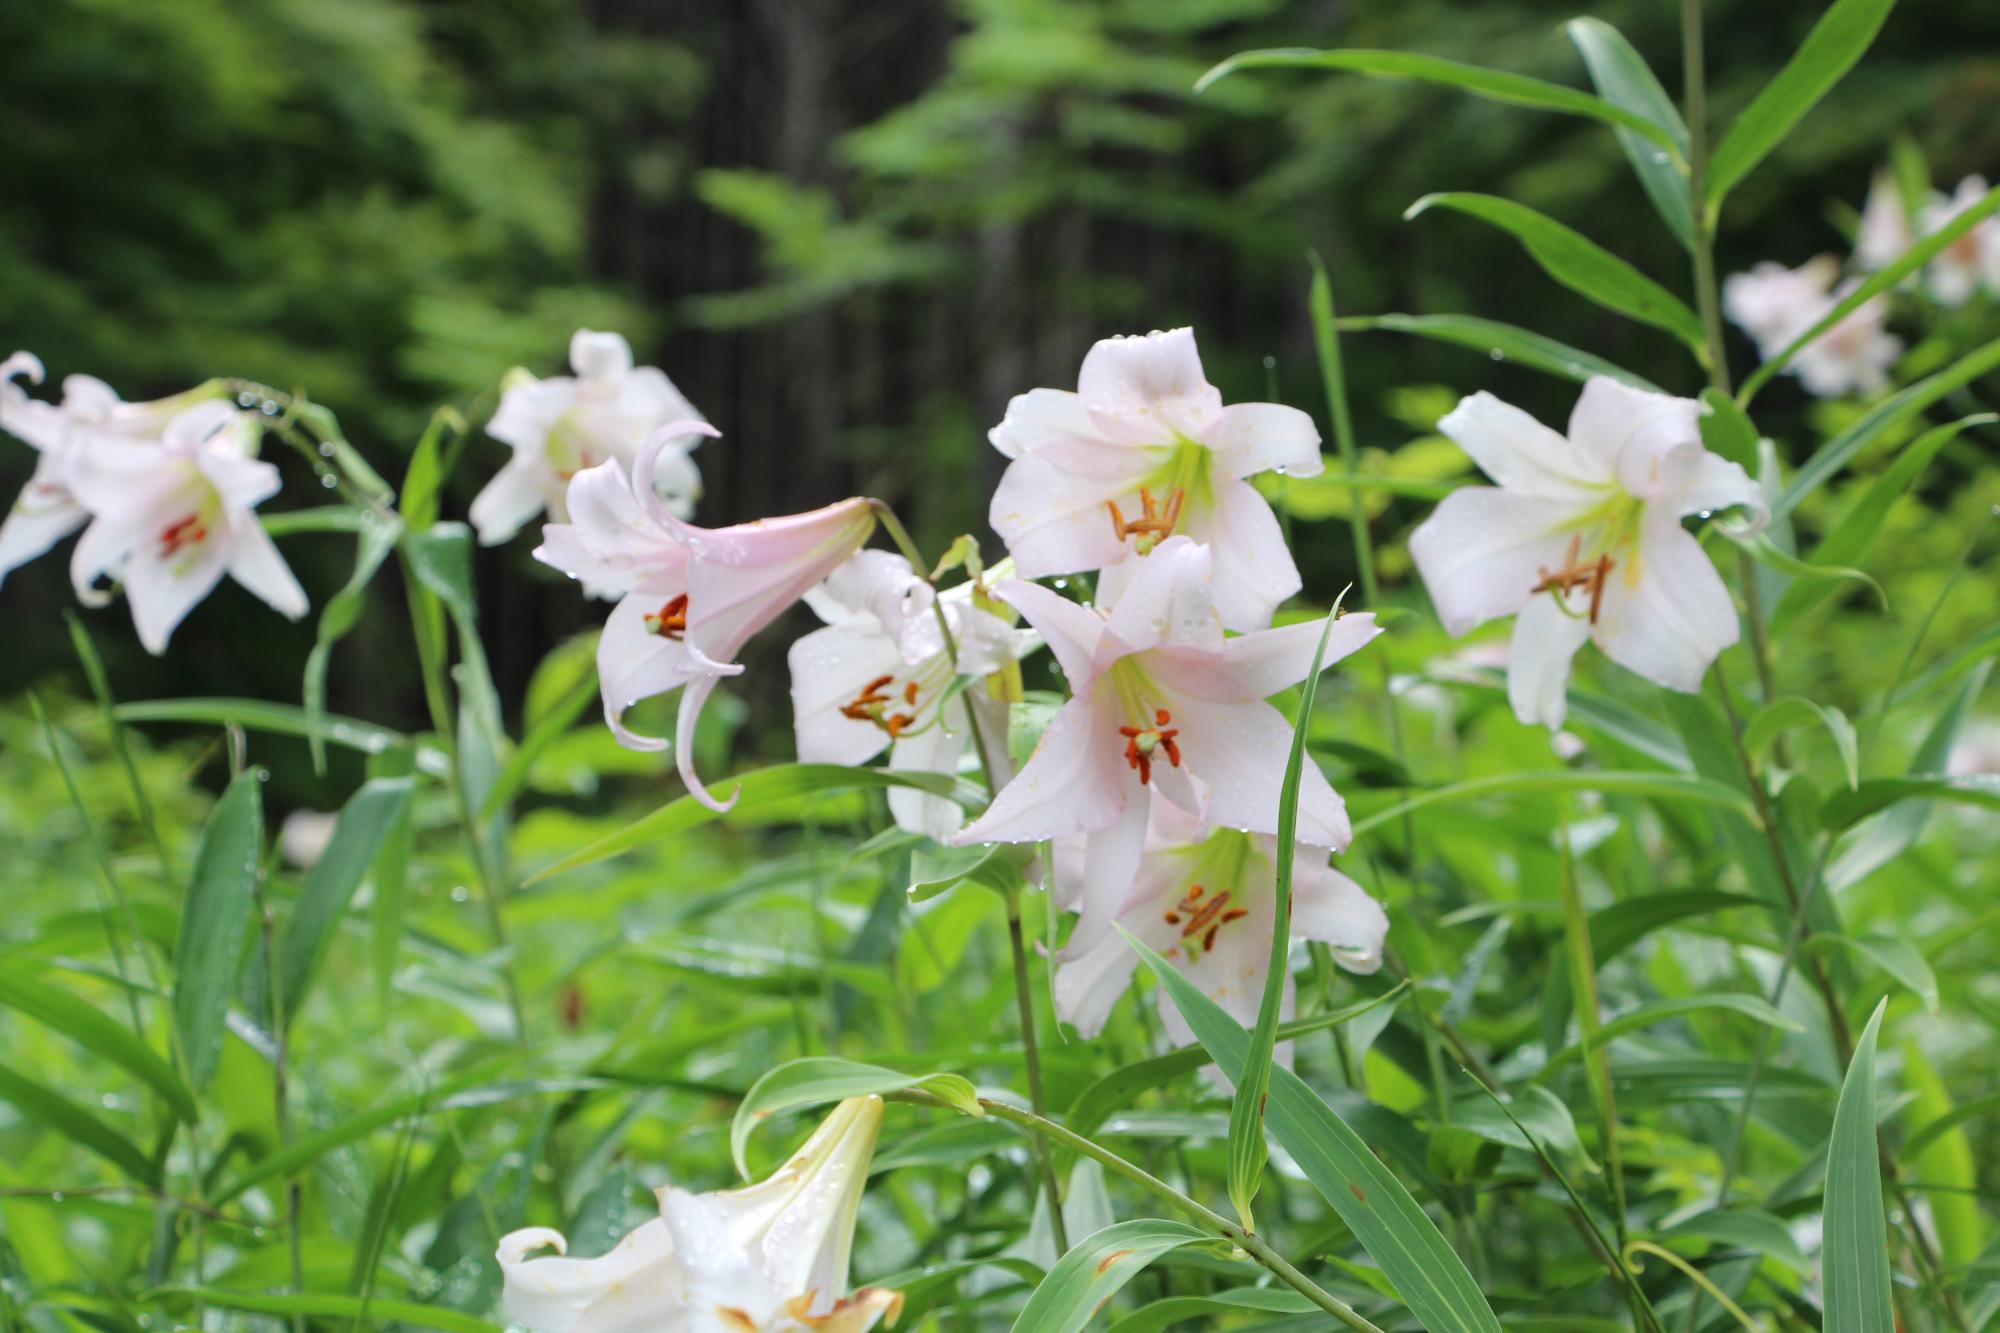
(1971, 263)
(1145, 449)
(1162, 702)
(1582, 540)
(879, 676)
(1885, 234)
(1775, 305)
(46, 511)
(689, 597)
(771, 1258)
(1203, 899)
(170, 517)
(561, 426)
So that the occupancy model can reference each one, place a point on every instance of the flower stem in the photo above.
(1249, 1242)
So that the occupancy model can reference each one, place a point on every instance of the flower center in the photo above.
(1576, 574)
(180, 536)
(1154, 525)
(871, 705)
(671, 620)
(1141, 743)
(1200, 917)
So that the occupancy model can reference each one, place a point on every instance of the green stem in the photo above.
(1695, 111)
(1249, 1242)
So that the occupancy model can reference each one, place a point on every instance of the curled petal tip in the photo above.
(517, 1245)
(23, 363)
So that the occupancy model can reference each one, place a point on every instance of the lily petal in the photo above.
(1168, 602)
(1043, 417)
(1483, 550)
(1637, 436)
(1266, 437)
(1148, 389)
(1520, 453)
(255, 563)
(632, 1289)
(1545, 641)
(1669, 616)
(1254, 570)
(1072, 783)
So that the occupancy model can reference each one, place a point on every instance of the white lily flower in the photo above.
(1582, 539)
(771, 1258)
(1774, 305)
(1971, 263)
(564, 425)
(47, 510)
(690, 597)
(1885, 234)
(170, 518)
(879, 676)
(1162, 702)
(1203, 899)
(1142, 450)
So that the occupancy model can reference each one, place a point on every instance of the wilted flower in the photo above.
(1972, 262)
(879, 675)
(1203, 899)
(1142, 450)
(171, 517)
(690, 597)
(771, 1258)
(564, 425)
(1582, 539)
(1162, 702)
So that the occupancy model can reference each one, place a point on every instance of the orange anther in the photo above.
(1574, 575)
(671, 620)
(1153, 524)
(910, 693)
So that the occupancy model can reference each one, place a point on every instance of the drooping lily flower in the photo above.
(880, 676)
(1142, 450)
(47, 510)
(1582, 539)
(1972, 262)
(1775, 305)
(1162, 702)
(690, 597)
(1203, 900)
(771, 1258)
(170, 518)
(563, 425)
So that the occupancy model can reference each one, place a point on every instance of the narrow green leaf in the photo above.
(1764, 552)
(1854, 1257)
(780, 785)
(1886, 415)
(1833, 46)
(1845, 808)
(1727, 430)
(1425, 1271)
(1580, 264)
(1882, 280)
(1656, 785)
(1247, 1151)
(1495, 85)
(1782, 715)
(1097, 1103)
(279, 720)
(330, 885)
(81, 1126)
(1532, 1119)
(320, 518)
(1745, 1229)
(1898, 957)
(1094, 1270)
(375, 539)
(1205, 1311)
(1944, 1160)
(1885, 836)
(374, 1311)
(98, 1033)
(1850, 538)
(818, 1079)
(1946, 1123)
(1623, 79)
(1501, 342)
(1659, 1011)
(545, 731)
(215, 922)
(423, 480)
(392, 875)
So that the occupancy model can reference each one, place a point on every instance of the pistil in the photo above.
(1142, 742)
